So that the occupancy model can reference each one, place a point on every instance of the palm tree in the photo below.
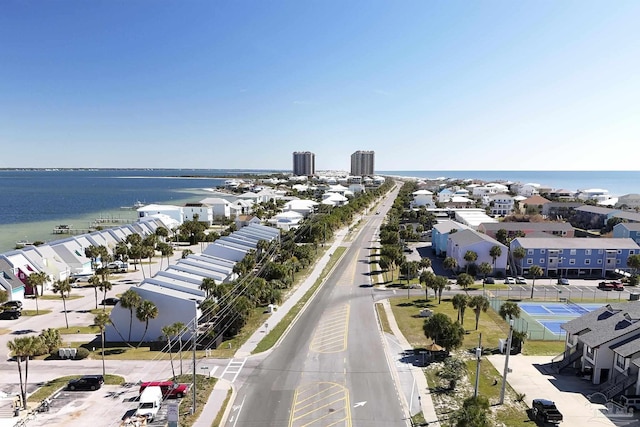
(22, 348)
(519, 253)
(51, 339)
(534, 271)
(95, 281)
(105, 287)
(495, 253)
(479, 304)
(135, 253)
(130, 300)
(208, 285)
(440, 283)
(186, 253)
(485, 268)
(64, 289)
(427, 278)
(145, 312)
(470, 257)
(460, 302)
(425, 263)
(450, 263)
(179, 330)
(101, 320)
(37, 279)
(169, 331)
(465, 280)
(509, 310)
(92, 253)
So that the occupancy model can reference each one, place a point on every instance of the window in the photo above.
(529, 251)
(587, 251)
(587, 262)
(572, 252)
(590, 352)
(599, 261)
(529, 261)
(619, 251)
(631, 252)
(560, 251)
(542, 261)
(600, 252)
(542, 251)
(572, 261)
(620, 362)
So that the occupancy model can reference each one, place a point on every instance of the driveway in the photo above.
(532, 376)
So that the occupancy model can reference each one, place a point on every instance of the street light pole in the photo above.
(506, 362)
(478, 357)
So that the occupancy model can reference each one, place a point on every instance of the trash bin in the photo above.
(634, 297)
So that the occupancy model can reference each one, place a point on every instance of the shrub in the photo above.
(82, 353)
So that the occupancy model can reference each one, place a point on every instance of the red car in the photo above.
(169, 388)
(611, 286)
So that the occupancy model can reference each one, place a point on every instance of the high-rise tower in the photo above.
(304, 163)
(362, 163)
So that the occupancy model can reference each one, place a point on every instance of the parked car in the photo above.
(521, 280)
(509, 281)
(10, 314)
(86, 382)
(611, 286)
(168, 388)
(110, 301)
(563, 281)
(15, 305)
(631, 402)
(545, 411)
(488, 281)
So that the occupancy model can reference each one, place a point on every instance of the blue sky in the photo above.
(427, 85)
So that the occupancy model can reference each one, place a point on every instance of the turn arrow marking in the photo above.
(360, 404)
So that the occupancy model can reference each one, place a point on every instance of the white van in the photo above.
(149, 403)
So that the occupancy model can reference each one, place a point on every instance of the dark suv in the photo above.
(11, 305)
(10, 314)
(87, 382)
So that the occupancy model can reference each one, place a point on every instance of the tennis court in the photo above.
(542, 320)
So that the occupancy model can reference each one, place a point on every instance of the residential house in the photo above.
(17, 264)
(596, 194)
(202, 211)
(560, 210)
(221, 208)
(592, 217)
(469, 240)
(561, 194)
(334, 199)
(532, 205)
(630, 201)
(14, 287)
(627, 230)
(244, 220)
(175, 212)
(489, 188)
(500, 204)
(440, 235)
(575, 257)
(606, 342)
(301, 206)
(423, 198)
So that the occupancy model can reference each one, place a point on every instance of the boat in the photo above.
(24, 242)
(138, 204)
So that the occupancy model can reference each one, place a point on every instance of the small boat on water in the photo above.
(24, 242)
(136, 205)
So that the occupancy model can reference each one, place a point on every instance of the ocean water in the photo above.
(35, 201)
(618, 183)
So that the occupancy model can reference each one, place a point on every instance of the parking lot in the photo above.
(108, 406)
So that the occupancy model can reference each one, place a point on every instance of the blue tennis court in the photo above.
(551, 315)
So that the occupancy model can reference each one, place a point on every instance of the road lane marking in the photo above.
(320, 403)
(331, 334)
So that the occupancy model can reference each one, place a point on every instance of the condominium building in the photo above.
(304, 163)
(362, 163)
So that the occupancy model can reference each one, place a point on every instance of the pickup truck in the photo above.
(545, 411)
(611, 286)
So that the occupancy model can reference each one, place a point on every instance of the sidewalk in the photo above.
(424, 394)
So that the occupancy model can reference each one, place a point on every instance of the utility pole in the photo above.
(506, 362)
(478, 357)
(193, 344)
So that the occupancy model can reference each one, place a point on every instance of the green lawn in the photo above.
(58, 298)
(492, 327)
(34, 313)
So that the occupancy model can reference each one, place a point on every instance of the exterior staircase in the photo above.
(619, 384)
(566, 358)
